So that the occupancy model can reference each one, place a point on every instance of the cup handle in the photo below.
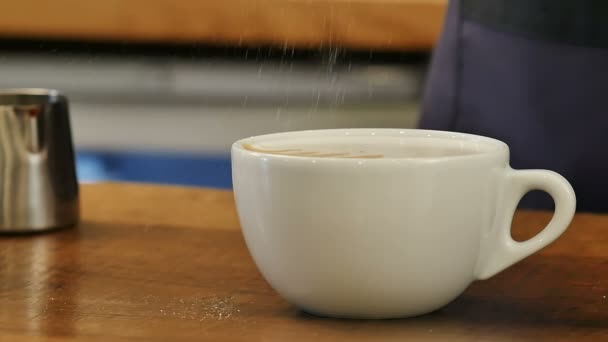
(498, 249)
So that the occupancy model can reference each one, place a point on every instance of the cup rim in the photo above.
(496, 146)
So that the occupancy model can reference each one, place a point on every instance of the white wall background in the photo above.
(137, 103)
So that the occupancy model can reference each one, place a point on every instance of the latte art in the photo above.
(316, 154)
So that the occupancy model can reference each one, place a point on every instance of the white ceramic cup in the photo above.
(387, 237)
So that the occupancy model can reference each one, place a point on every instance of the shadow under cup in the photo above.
(381, 223)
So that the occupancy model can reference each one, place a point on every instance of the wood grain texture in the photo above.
(366, 24)
(154, 263)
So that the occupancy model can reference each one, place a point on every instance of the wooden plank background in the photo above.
(361, 24)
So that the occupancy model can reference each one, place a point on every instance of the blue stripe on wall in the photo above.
(166, 168)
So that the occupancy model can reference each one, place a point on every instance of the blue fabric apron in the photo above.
(532, 73)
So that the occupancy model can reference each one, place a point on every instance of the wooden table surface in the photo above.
(363, 24)
(154, 263)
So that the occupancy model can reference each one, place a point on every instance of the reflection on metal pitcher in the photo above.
(38, 185)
